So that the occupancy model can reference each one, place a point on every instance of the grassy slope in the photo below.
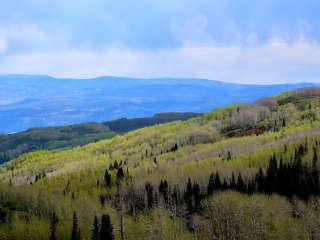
(150, 155)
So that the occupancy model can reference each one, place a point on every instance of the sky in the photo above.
(265, 41)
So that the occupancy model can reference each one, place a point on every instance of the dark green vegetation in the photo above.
(240, 172)
(125, 125)
(13, 145)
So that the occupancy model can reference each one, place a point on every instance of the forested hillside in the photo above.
(247, 171)
(51, 138)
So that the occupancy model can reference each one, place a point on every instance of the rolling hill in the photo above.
(245, 171)
(50, 138)
(28, 101)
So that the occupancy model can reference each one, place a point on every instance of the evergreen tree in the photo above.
(233, 181)
(115, 165)
(211, 186)
(106, 229)
(315, 158)
(196, 196)
(229, 155)
(188, 195)
(164, 189)
(107, 179)
(149, 192)
(95, 229)
(53, 227)
(75, 228)
(260, 181)
(120, 174)
(241, 187)
(217, 181)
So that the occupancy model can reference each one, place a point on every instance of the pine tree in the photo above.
(260, 181)
(315, 158)
(115, 165)
(188, 195)
(164, 189)
(106, 230)
(95, 229)
(149, 192)
(233, 181)
(120, 174)
(75, 228)
(229, 155)
(196, 196)
(53, 227)
(107, 179)
(211, 186)
(241, 187)
(217, 181)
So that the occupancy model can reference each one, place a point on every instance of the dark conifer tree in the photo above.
(260, 181)
(315, 158)
(217, 181)
(211, 184)
(164, 190)
(106, 229)
(149, 193)
(107, 179)
(233, 181)
(225, 185)
(241, 187)
(111, 167)
(196, 196)
(120, 174)
(75, 228)
(53, 227)
(188, 195)
(95, 229)
(229, 155)
(115, 165)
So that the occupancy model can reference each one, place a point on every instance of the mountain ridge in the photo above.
(39, 101)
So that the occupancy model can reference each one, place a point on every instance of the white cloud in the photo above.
(275, 61)
(3, 41)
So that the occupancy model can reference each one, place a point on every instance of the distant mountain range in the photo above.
(37, 101)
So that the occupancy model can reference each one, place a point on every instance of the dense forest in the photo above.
(51, 138)
(246, 171)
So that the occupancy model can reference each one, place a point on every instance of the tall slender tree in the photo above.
(106, 229)
(95, 229)
(107, 179)
(53, 227)
(75, 233)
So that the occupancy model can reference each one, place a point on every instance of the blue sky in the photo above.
(265, 41)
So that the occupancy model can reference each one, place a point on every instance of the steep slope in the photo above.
(209, 177)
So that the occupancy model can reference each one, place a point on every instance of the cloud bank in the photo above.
(242, 42)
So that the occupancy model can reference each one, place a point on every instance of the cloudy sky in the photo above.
(265, 41)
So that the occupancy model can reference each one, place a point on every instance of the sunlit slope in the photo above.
(239, 139)
(181, 148)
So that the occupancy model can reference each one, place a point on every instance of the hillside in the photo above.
(28, 101)
(246, 171)
(125, 125)
(51, 138)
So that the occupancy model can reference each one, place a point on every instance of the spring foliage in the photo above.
(241, 172)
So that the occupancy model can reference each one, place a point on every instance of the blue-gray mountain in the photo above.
(35, 101)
